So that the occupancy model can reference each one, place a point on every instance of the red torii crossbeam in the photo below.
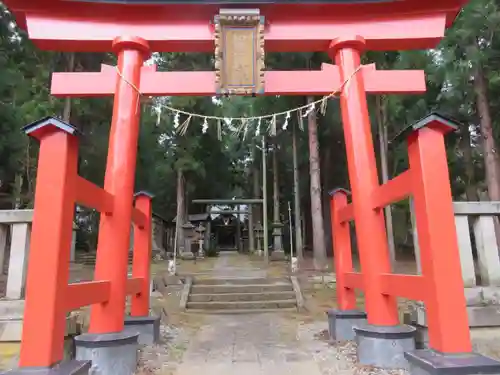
(69, 26)
(202, 83)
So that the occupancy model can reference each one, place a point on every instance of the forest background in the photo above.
(463, 80)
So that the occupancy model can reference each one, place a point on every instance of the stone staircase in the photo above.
(242, 295)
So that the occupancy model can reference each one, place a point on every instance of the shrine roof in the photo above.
(80, 21)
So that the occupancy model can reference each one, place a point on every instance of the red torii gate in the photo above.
(343, 30)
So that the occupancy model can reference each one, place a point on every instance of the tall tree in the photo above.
(296, 196)
(490, 148)
(319, 246)
(181, 217)
(381, 112)
(277, 239)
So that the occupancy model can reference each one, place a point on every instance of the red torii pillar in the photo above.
(111, 285)
(114, 231)
(363, 177)
(141, 264)
(449, 338)
(383, 342)
(49, 297)
(48, 268)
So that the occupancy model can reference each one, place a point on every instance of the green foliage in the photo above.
(221, 168)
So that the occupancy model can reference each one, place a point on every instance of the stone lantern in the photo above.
(189, 233)
(259, 234)
(244, 239)
(278, 252)
(200, 229)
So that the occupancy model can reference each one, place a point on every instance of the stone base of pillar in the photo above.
(421, 337)
(341, 323)
(110, 353)
(384, 346)
(148, 328)
(278, 255)
(427, 362)
(187, 255)
(63, 368)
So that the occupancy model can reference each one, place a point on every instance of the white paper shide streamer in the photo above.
(257, 130)
(176, 120)
(287, 118)
(243, 124)
(310, 108)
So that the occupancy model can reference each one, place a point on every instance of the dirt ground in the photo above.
(295, 332)
(179, 328)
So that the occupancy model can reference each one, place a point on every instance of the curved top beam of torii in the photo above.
(293, 26)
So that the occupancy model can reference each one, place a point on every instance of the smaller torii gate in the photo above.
(250, 202)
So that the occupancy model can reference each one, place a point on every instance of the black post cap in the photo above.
(41, 127)
(144, 193)
(434, 120)
(339, 190)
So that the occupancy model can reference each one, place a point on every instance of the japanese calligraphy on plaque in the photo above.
(239, 52)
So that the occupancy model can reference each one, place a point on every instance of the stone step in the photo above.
(241, 281)
(249, 288)
(90, 259)
(241, 311)
(237, 305)
(93, 256)
(233, 297)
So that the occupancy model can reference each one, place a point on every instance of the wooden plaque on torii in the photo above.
(239, 52)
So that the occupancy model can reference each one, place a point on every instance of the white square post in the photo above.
(19, 252)
(487, 251)
(465, 248)
(4, 229)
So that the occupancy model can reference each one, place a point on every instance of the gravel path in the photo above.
(254, 344)
(261, 344)
(338, 359)
(164, 357)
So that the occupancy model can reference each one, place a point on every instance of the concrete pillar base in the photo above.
(341, 323)
(148, 328)
(187, 256)
(278, 255)
(63, 368)
(384, 346)
(427, 362)
(110, 353)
